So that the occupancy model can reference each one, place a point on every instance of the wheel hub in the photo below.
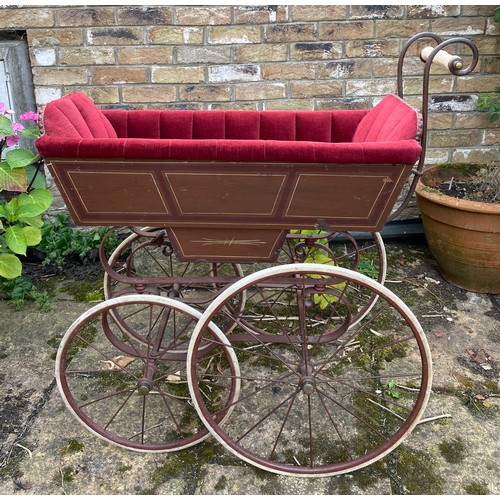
(144, 387)
(307, 379)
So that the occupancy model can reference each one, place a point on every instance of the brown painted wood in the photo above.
(245, 196)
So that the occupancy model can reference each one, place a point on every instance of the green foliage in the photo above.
(491, 104)
(21, 289)
(391, 390)
(317, 255)
(20, 214)
(59, 241)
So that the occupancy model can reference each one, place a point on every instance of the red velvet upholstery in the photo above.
(390, 120)
(76, 116)
(76, 128)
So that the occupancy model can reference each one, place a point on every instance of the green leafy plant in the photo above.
(59, 241)
(22, 289)
(317, 255)
(491, 104)
(24, 197)
(390, 389)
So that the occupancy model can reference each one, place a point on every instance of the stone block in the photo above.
(288, 71)
(428, 11)
(301, 90)
(260, 91)
(100, 95)
(379, 87)
(350, 68)
(178, 74)
(315, 50)
(234, 73)
(477, 155)
(145, 55)
(260, 14)
(55, 37)
(176, 35)
(372, 48)
(491, 137)
(234, 34)
(45, 56)
(260, 52)
(59, 76)
(147, 16)
(289, 104)
(399, 29)
(477, 83)
(43, 95)
(22, 18)
(202, 15)
(114, 36)
(461, 26)
(205, 93)
(118, 75)
(87, 16)
(343, 103)
(318, 12)
(351, 30)
(75, 56)
(149, 93)
(376, 12)
(203, 55)
(299, 32)
(453, 139)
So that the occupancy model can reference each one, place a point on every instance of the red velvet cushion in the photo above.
(75, 115)
(390, 120)
(406, 152)
(76, 128)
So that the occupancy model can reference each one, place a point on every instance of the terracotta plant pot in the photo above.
(463, 235)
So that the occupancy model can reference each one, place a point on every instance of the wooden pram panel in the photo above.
(236, 196)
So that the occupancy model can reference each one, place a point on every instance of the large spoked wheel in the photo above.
(145, 257)
(134, 393)
(319, 396)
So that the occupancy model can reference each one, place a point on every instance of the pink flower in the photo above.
(12, 140)
(4, 111)
(17, 127)
(29, 115)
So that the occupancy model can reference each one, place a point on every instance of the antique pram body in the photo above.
(281, 361)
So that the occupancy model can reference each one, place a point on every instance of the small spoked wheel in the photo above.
(146, 257)
(321, 393)
(133, 392)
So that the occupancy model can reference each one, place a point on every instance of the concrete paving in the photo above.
(44, 450)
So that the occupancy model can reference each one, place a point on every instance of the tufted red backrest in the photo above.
(390, 120)
(76, 116)
(312, 126)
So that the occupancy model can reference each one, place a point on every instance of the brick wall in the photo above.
(265, 57)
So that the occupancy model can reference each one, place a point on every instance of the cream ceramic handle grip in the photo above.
(443, 58)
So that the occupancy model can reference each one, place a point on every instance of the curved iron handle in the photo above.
(456, 70)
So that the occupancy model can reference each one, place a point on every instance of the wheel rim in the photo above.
(151, 258)
(324, 408)
(134, 394)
